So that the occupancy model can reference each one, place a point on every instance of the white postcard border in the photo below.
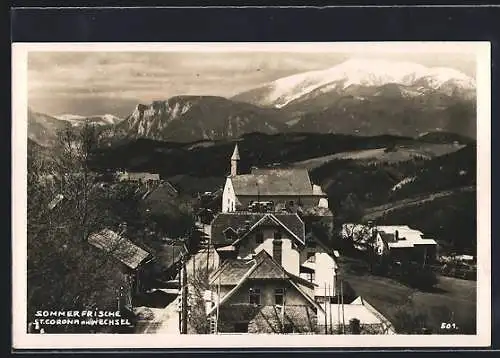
(22, 340)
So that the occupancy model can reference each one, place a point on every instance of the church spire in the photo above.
(236, 154)
(234, 161)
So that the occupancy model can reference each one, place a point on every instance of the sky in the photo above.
(92, 83)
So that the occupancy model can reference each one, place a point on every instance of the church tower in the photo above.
(234, 161)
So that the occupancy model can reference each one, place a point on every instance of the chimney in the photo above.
(277, 250)
(234, 161)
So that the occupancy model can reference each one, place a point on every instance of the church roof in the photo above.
(236, 154)
(286, 182)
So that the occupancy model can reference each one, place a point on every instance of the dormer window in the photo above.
(229, 233)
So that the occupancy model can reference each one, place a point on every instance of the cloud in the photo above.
(63, 78)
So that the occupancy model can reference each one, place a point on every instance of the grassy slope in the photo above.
(388, 296)
(380, 155)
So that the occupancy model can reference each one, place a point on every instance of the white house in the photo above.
(288, 188)
(400, 241)
(241, 235)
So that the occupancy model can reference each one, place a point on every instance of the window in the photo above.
(279, 295)
(312, 277)
(259, 238)
(241, 327)
(254, 296)
(311, 256)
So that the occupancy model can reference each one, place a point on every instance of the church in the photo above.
(275, 188)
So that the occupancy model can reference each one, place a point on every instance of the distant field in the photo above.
(400, 154)
(378, 211)
(454, 300)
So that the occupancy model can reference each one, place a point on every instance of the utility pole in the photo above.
(208, 246)
(342, 299)
(184, 297)
(330, 308)
(326, 323)
(218, 303)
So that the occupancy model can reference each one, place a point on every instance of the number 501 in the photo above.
(445, 325)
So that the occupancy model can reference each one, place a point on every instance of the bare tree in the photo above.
(64, 273)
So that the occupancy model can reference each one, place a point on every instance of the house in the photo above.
(168, 259)
(401, 242)
(160, 193)
(141, 177)
(364, 238)
(258, 295)
(357, 317)
(283, 236)
(205, 215)
(287, 188)
(135, 261)
(405, 243)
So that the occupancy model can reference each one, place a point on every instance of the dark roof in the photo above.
(387, 237)
(231, 272)
(246, 220)
(164, 191)
(287, 182)
(120, 247)
(169, 255)
(262, 266)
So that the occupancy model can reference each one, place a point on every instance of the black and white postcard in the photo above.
(201, 194)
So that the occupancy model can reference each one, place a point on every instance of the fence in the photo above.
(368, 328)
(465, 274)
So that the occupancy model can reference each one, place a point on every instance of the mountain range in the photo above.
(362, 97)
(43, 128)
(188, 118)
(77, 120)
(352, 76)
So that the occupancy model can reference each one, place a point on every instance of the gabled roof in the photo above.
(285, 182)
(119, 247)
(231, 272)
(408, 237)
(262, 266)
(164, 191)
(361, 310)
(291, 223)
(246, 221)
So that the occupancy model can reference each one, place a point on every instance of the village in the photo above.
(261, 260)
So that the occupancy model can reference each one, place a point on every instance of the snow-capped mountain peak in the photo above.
(69, 117)
(363, 72)
(77, 120)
